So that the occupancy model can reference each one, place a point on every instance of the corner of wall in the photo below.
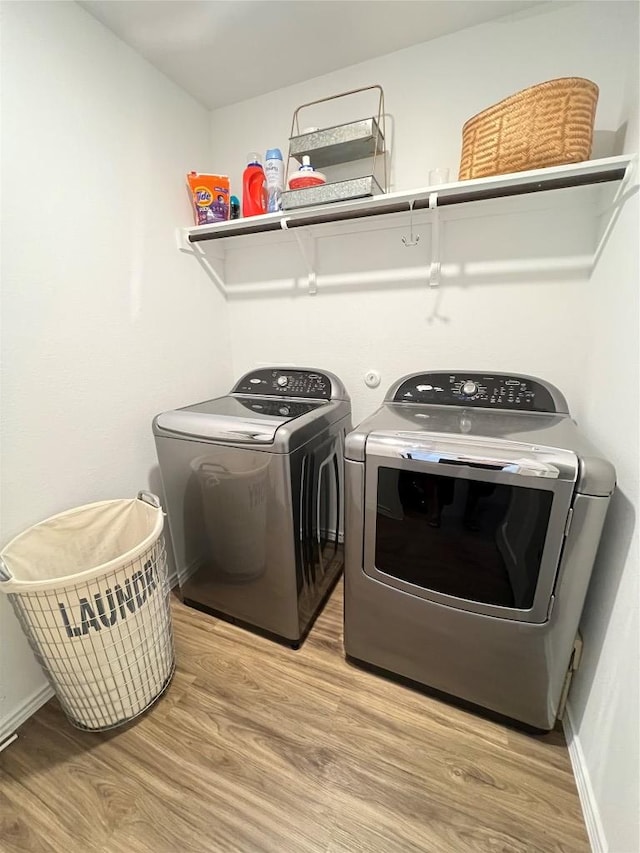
(24, 710)
(588, 800)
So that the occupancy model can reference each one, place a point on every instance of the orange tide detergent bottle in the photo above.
(254, 195)
(209, 196)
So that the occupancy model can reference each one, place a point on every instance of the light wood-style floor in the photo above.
(260, 749)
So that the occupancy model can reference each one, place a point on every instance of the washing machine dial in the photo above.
(469, 388)
(282, 381)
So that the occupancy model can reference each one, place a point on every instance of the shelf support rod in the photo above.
(308, 253)
(434, 272)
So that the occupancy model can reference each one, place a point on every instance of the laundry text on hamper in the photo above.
(137, 589)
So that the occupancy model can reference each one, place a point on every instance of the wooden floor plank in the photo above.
(256, 748)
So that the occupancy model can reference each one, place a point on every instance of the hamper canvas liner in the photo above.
(545, 125)
(90, 589)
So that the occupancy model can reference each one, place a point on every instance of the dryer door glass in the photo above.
(475, 540)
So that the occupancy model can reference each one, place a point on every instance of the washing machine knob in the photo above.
(282, 381)
(469, 388)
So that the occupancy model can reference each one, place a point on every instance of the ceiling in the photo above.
(224, 51)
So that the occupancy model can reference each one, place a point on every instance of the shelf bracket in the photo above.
(307, 248)
(434, 271)
(628, 185)
(196, 251)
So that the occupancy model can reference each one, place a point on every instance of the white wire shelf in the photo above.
(304, 225)
(591, 172)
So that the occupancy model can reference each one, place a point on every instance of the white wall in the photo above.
(605, 701)
(104, 323)
(500, 303)
(517, 295)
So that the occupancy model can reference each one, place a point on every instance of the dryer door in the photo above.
(477, 526)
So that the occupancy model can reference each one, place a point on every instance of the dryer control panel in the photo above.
(481, 390)
(282, 382)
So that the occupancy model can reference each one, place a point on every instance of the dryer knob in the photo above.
(469, 388)
(282, 381)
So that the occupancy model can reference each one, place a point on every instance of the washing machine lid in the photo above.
(253, 420)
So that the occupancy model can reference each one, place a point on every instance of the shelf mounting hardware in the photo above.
(434, 271)
(413, 239)
(627, 186)
(196, 251)
(307, 246)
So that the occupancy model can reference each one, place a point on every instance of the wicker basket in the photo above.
(544, 125)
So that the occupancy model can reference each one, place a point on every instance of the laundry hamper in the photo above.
(90, 589)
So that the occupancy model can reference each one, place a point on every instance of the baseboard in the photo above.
(595, 830)
(21, 714)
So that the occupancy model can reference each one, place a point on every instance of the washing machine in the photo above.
(474, 508)
(253, 484)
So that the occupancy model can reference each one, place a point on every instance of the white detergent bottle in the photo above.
(274, 175)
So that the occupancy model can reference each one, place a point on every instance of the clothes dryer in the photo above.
(474, 508)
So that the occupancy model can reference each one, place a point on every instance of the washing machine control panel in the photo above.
(483, 390)
(288, 383)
